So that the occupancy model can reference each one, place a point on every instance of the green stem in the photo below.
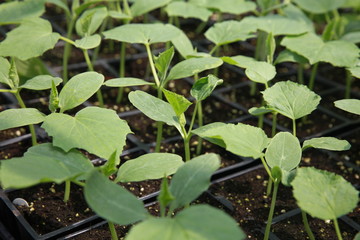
(306, 225)
(81, 184)
(272, 208)
(31, 126)
(274, 123)
(97, 49)
(265, 166)
(187, 148)
(112, 231)
(313, 75)
(300, 73)
(67, 190)
(200, 124)
(337, 229)
(156, 78)
(8, 90)
(121, 71)
(214, 49)
(349, 79)
(193, 117)
(91, 68)
(159, 126)
(269, 186)
(67, 49)
(294, 127)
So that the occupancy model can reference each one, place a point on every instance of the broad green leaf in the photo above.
(15, 12)
(289, 56)
(183, 44)
(293, 12)
(178, 102)
(119, 15)
(90, 21)
(99, 131)
(207, 133)
(149, 166)
(353, 37)
(192, 179)
(288, 176)
(284, 151)
(155, 108)
(41, 82)
(79, 88)
(187, 10)
(143, 33)
(203, 87)
(277, 25)
(255, 111)
(228, 32)
(355, 71)
(88, 42)
(198, 222)
(319, 6)
(339, 53)
(111, 201)
(349, 105)
(141, 7)
(323, 194)
(227, 6)
(31, 39)
(192, 66)
(12, 118)
(43, 163)
(291, 99)
(4, 72)
(328, 143)
(162, 62)
(257, 71)
(126, 82)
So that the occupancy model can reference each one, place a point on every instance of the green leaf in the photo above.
(178, 102)
(192, 66)
(88, 42)
(119, 15)
(183, 45)
(349, 105)
(240, 139)
(143, 33)
(207, 133)
(90, 21)
(187, 10)
(284, 151)
(203, 87)
(162, 63)
(338, 53)
(319, 6)
(31, 39)
(192, 179)
(4, 72)
(165, 197)
(291, 99)
(355, 71)
(228, 32)
(328, 143)
(126, 82)
(43, 163)
(41, 82)
(257, 71)
(79, 88)
(323, 194)
(60, 4)
(149, 166)
(53, 98)
(353, 37)
(288, 176)
(111, 201)
(289, 56)
(255, 111)
(12, 118)
(15, 12)
(276, 174)
(99, 131)
(141, 7)
(155, 108)
(13, 75)
(357, 236)
(293, 12)
(227, 6)
(198, 222)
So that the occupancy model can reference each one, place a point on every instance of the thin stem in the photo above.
(337, 229)
(214, 49)
(272, 208)
(269, 186)
(81, 184)
(193, 117)
(294, 127)
(274, 123)
(159, 126)
(200, 124)
(67, 49)
(265, 166)
(156, 78)
(313, 75)
(97, 49)
(307, 226)
(300, 73)
(8, 90)
(187, 148)
(67, 40)
(349, 80)
(112, 231)
(31, 126)
(67, 190)
(121, 70)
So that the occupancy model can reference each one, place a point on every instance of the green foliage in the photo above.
(178, 102)
(349, 105)
(203, 87)
(141, 7)
(226, 6)
(41, 82)
(10, 118)
(328, 143)
(88, 42)
(319, 6)
(162, 63)
(126, 82)
(187, 10)
(90, 21)
(15, 12)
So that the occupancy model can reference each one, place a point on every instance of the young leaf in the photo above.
(323, 194)
(209, 133)
(97, 130)
(111, 201)
(41, 82)
(13, 74)
(203, 87)
(149, 166)
(141, 7)
(320, 6)
(4, 72)
(196, 223)
(178, 102)
(12, 118)
(284, 151)
(276, 174)
(79, 89)
(165, 197)
(291, 99)
(54, 98)
(31, 39)
(143, 33)
(183, 45)
(328, 143)
(289, 56)
(90, 21)
(349, 105)
(257, 71)
(187, 10)
(192, 179)
(155, 108)
(192, 66)
(227, 6)
(126, 82)
(43, 163)
(15, 12)
(339, 53)
(88, 42)
(162, 62)
(257, 111)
